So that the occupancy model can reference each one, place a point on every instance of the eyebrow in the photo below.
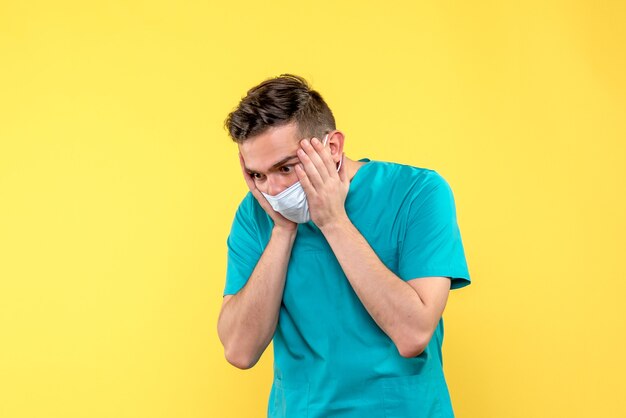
(278, 164)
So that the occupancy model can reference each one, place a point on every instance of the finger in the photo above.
(252, 185)
(246, 175)
(326, 156)
(304, 181)
(313, 149)
(262, 201)
(256, 192)
(309, 168)
(258, 195)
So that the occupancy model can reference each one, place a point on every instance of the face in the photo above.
(270, 158)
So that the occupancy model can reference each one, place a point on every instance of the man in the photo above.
(345, 264)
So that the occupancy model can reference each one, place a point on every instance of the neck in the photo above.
(351, 166)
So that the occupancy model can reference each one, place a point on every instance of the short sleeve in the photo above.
(432, 244)
(244, 247)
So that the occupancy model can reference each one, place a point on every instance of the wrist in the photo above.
(337, 225)
(285, 232)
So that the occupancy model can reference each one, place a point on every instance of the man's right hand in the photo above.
(279, 220)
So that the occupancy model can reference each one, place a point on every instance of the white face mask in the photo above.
(291, 202)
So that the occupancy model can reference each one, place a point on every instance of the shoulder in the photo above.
(246, 206)
(417, 180)
(250, 215)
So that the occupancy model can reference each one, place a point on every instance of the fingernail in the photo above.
(315, 141)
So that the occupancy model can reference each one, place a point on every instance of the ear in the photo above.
(335, 144)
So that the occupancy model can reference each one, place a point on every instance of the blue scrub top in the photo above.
(330, 358)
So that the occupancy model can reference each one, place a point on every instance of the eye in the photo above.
(286, 169)
(256, 176)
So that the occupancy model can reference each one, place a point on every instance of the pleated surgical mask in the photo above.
(292, 202)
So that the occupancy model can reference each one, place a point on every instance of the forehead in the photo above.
(262, 151)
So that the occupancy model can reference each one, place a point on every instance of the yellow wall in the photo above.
(118, 185)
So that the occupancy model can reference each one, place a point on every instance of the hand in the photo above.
(325, 188)
(279, 220)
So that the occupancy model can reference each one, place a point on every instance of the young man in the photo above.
(345, 264)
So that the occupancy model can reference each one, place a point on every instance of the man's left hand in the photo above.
(325, 187)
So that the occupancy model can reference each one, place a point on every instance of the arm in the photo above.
(408, 312)
(248, 319)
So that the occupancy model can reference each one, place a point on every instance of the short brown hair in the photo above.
(279, 101)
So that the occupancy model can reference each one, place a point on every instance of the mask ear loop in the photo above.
(341, 160)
